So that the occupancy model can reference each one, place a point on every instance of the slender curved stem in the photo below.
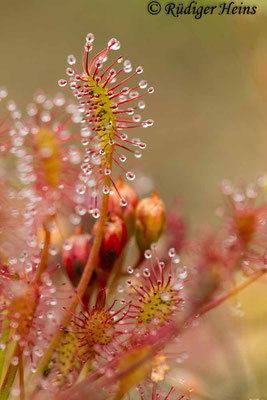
(8, 382)
(85, 279)
(9, 377)
(5, 335)
(85, 370)
(220, 299)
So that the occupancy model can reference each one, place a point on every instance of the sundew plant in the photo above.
(98, 284)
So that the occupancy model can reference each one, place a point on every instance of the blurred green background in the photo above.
(210, 79)
(209, 108)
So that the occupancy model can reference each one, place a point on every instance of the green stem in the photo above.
(9, 378)
(10, 352)
(5, 336)
(85, 279)
(85, 370)
(8, 382)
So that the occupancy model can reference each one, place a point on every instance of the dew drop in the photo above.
(130, 111)
(114, 44)
(137, 154)
(71, 59)
(149, 122)
(153, 246)
(38, 352)
(53, 250)
(171, 252)
(106, 189)
(80, 210)
(161, 265)
(123, 158)
(26, 352)
(88, 47)
(33, 368)
(130, 176)
(142, 145)
(141, 105)
(125, 91)
(90, 37)
(137, 118)
(123, 136)
(75, 219)
(123, 202)
(165, 296)
(176, 259)
(70, 72)
(146, 273)
(183, 273)
(50, 315)
(3, 92)
(178, 286)
(96, 213)
(142, 85)
(120, 289)
(14, 361)
(62, 82)
(80, 188)
(148, 254)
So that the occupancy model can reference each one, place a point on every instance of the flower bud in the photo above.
(113, 242)
(149, 221)
(125, 212)
(75, 254)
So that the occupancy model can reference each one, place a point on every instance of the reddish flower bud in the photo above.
(75, 253)
(126, 212)
(113, 242)
(149, 221)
